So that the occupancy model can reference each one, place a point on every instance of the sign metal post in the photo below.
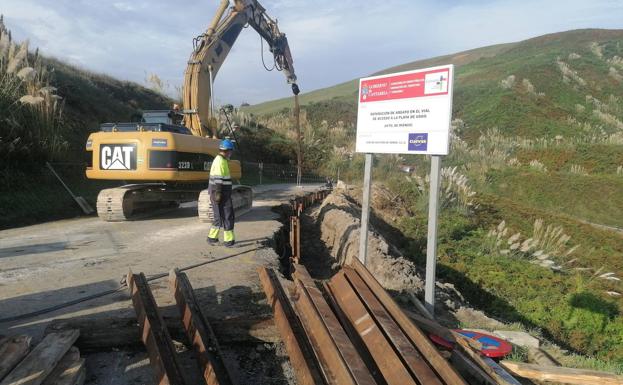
(365, 210)
(431, 241)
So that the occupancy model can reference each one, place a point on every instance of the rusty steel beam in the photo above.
(388, 361)
(445, 371)
(337, 356)
(292, 256)
(296, 344)
(352, 334)
(154, 333)
(199, 331)
(297, 239)
(413, 360)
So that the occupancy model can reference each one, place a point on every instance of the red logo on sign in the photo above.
(411, 85)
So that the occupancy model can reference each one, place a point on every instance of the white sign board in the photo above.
(406, 112)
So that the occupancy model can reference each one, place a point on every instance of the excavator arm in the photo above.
(212, 47)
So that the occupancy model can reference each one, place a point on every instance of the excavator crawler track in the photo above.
(111, 205)
(129, 202)
(242, 199)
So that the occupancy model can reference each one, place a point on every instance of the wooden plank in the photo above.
(414, 361)
(433, 327)
(154, 333)
(447, 373)
(41, 361)
(430, 326)
(105, 334)
(469, 367)
(69, 371)
(500, 372)
(388, 362)
(541, 357)
(12, 351)
(199, 332)
(488, 365)
(297, 346)
(419, 305)
(100, 334)
(562, 375)
(245, 331)
(338, 357)
(428, 321)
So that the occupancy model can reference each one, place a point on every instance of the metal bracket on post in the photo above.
(261, 167)
(365, 211)
(431, 243)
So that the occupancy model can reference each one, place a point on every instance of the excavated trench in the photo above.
(330, 232)
(330, 238)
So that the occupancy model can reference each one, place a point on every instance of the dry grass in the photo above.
(616, 61)
(574, 56)
(535, 164)
(608, 119)
(613, 73)
(30, 109)
(568, 74)
(508, 83)
(596, 49)
(547, 246)
(456, 188)
(578, 169)
(530, 89)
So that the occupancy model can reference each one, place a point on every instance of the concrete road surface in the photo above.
(48, 264)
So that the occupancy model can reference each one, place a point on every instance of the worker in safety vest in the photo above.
(220, 188)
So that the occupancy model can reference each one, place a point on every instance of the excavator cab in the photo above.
(163, 116)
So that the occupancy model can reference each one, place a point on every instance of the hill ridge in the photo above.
(348, 88)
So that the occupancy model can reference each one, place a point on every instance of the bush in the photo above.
(30, 110)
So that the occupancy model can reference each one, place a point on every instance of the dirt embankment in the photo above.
(337, 222)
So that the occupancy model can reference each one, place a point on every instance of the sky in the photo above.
(332, 41)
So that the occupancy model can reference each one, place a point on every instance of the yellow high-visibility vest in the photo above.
(219, 172)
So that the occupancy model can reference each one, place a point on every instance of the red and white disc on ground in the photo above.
(492, 346)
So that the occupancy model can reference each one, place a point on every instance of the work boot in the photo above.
(212, 241)
(229, 244)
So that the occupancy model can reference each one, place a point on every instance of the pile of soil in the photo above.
(336, 222)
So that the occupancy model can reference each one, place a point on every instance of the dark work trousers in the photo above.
(224, 211)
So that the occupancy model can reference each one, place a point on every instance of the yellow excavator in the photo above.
(167, 156)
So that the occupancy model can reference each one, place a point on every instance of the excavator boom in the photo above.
(212, 47)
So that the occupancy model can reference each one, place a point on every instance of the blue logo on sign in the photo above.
(418, 142)
(158, 142)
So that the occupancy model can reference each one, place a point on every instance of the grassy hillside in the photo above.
(566, 193)
(348, 90)
(552, 74)
(47, 110)
(548, 80)
(534, 175)
(91, 99)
